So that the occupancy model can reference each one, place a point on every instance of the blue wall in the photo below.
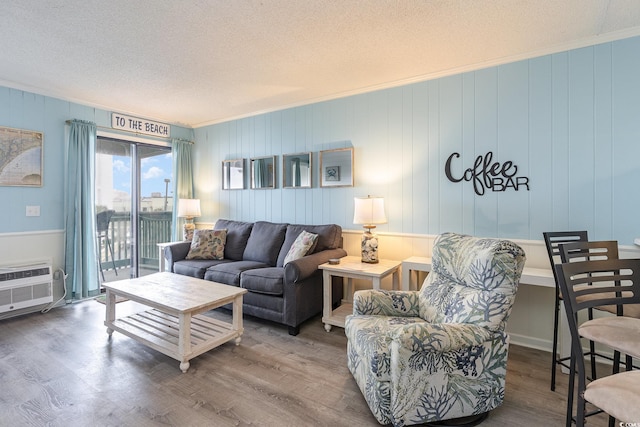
(25, 110)
(569, 121)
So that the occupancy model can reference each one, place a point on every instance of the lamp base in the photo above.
(187, 231)
(369, 246)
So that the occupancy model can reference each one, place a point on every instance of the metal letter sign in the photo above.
(137, 125)
(486, 174)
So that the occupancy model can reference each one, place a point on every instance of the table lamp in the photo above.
(369, 211)
(188, 209)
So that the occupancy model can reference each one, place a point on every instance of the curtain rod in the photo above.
(136, 133)
(184, 140)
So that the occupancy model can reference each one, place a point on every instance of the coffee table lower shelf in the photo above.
(161, 331)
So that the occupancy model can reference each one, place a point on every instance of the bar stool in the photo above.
(594, 251)
(552, 239)
(586, 285)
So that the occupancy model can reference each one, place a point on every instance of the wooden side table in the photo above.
(413, 265)
(350, 268)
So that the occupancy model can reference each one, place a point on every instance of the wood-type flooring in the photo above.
(61, 369)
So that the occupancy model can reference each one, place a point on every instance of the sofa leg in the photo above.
(294, 330)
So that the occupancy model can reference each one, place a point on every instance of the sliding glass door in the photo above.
(133, 206)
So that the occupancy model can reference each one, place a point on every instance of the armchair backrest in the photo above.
(472, 280)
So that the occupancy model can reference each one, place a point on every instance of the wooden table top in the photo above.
(175, 291)
(354, 265)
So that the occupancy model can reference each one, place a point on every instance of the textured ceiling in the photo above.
(196, 62)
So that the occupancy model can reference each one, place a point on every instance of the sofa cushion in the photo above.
(207, 244)
(329, 237)
(229, 273)
(237, 235)
(263, 280)
(265, 242)
(303, 245)
(195, 267)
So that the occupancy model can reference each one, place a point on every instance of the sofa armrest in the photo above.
(386, 303)
(300, 269)
(176, 252)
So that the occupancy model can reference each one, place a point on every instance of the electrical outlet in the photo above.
(33, 210)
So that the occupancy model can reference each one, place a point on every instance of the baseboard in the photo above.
(530, 342)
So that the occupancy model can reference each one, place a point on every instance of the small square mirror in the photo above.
(233, 174)
(263, 172)
(336, 168)
(296, 170)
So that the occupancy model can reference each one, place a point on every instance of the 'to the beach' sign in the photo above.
(137, 125)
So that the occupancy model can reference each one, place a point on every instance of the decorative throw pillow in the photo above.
(207, 244)
(301, 246)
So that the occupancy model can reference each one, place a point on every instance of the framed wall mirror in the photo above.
(296, 170)
(263, 172)
(336, 168)
(233, 174)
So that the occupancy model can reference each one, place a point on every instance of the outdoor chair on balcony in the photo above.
(102, 235)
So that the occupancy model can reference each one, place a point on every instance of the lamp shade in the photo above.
(189, 208)
(369, 211)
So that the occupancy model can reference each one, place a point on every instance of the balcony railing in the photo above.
(153, 228)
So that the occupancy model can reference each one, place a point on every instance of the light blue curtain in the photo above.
(79, 211)
(258, 173)
(296, 172)
(183, 180)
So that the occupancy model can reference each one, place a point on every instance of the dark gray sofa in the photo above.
(253, 259)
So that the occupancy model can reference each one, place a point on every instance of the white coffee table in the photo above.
(173, 325)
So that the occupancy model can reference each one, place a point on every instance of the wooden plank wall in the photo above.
(568, 121)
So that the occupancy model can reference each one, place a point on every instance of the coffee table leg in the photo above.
(110, 303)
(237, 318)
(184, 339)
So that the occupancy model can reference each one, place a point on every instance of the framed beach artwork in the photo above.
(332, 173)
(21, 154)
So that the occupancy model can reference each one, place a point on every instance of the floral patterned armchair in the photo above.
(441, 352)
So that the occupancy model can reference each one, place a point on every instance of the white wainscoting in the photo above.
(531, 321)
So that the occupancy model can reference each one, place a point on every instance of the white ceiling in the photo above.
(197, 62)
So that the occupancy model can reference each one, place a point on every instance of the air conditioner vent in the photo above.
(25, 286)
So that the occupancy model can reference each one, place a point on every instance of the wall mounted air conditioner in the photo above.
(25, 286)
